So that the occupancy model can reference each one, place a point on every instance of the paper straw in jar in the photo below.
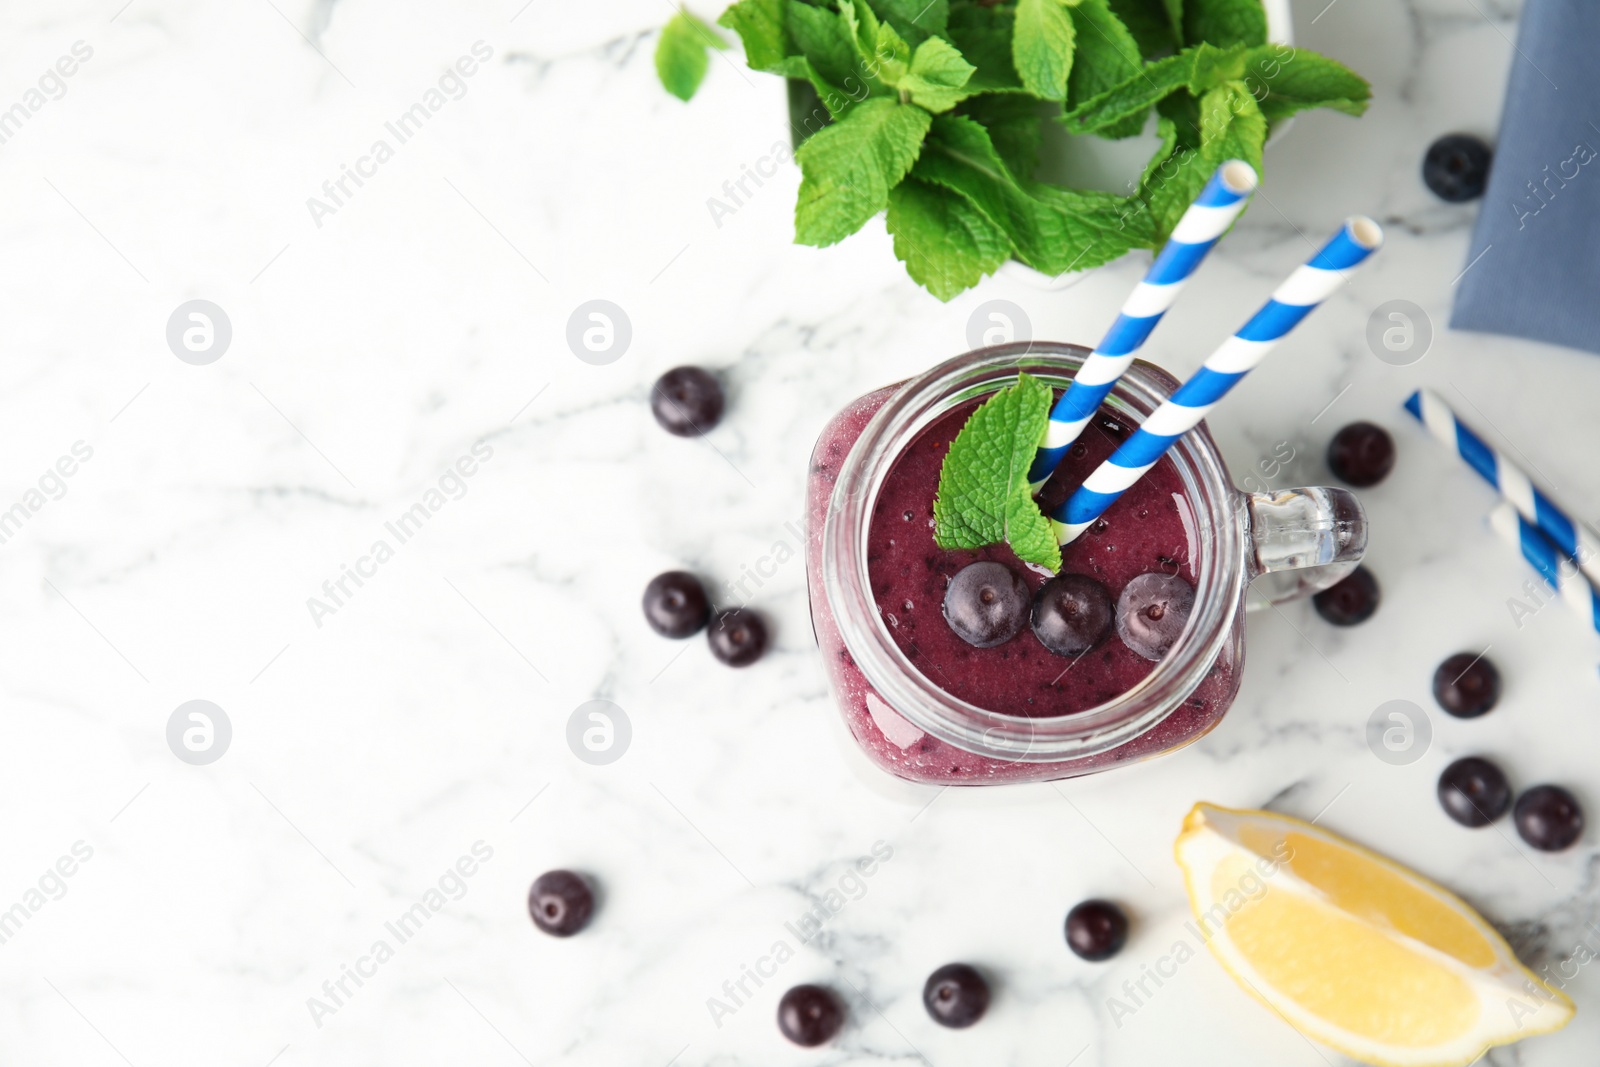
(1202, 224)
(1310, 284)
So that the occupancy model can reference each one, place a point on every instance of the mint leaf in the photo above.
(1015, 127)
(848, 168)
(882, 56)
(1098, 227)
(1212, 66)
(1231, 126)
(824, 38)
(1285, 80)
(814, 110)
(960, 157)
(983, 495)
(1041, 47)
(863, 26)
(892, 56)
(916, 20)
(1196, 69)
(1132, 97)
(1167, 130)
(1053, 230)
(759, 24)
(1224, 22)
(1183, 108)
(937, 75)
(983, 34)
(946, 243)
(1029, 530)
(1106, 55)
(1157, 25)
(681, 54)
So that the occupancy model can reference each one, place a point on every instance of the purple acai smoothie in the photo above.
(1152, 528)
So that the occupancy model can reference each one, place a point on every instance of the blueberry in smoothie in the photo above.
(1072, 613)
(1152, 612)
(986, 604)
(934, 599)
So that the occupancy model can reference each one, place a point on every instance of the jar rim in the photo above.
(1220, 570)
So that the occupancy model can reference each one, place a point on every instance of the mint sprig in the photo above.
(760, 26)
(683, 54)
(938, 76)
(1042, 44)
(983, 495)
(932, 112)
(969, 246)
(1107, 55)
(848, 168)
(1224, 22)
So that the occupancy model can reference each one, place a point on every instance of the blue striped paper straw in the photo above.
(1576, 540)
(1548, 560)
(1308, 286)
(1205, 221)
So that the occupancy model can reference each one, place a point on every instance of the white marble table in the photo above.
(376, 743)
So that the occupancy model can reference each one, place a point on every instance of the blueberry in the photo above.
(1152, 612)
(737, 637)
(675, 604)
(956, 995)
(1096, 930)
(986, 604)
(1474, 792)
(1072, 613)
(1349, 601)
(686, 401)
(1466, 685)
(1456, 167)
(1361, 454)
(560, 903)
(1548, 818)
(809, 1015)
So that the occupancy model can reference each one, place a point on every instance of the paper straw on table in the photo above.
(1307, 287)
(1576, 540)
(1549, 560)
(1205, 221)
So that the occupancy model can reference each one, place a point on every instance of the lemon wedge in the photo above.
(1352, 949)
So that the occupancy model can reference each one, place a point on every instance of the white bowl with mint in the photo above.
(935, 113)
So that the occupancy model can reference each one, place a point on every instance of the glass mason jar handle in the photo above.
(1302, 540)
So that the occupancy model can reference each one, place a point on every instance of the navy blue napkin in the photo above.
(1533, 269)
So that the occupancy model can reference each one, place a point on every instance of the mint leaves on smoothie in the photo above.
(934, 113)
(983, 496)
